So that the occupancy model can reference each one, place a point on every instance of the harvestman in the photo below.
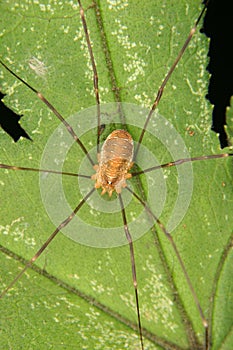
(116, 158)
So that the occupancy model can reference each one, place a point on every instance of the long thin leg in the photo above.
(167, 77)
(54, 110)
(175, 163)
(12, 167)
(48, 241)
(181, 161)
(110, 67)
(169, 236)
(95, 74)
(133, 265)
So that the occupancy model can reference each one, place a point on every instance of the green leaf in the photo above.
(84, 296)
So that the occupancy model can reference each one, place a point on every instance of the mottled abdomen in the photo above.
(115, 160)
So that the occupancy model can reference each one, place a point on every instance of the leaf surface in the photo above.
(141, 40)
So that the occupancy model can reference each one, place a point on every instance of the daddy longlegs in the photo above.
(182, 317)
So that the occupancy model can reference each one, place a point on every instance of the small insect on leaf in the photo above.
(148, 264)
(115, 161)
